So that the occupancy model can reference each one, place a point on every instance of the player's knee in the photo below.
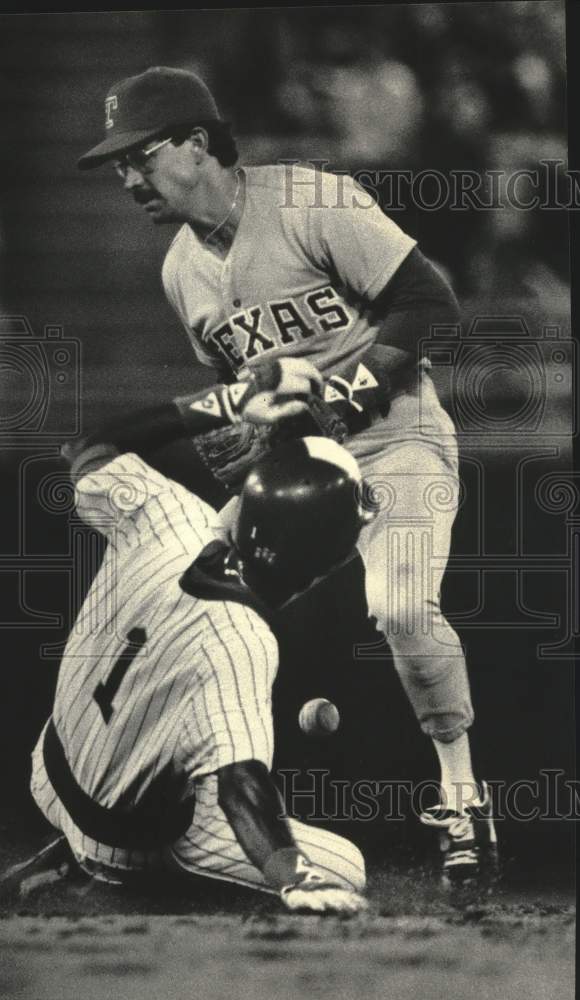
(405, 622)
(404, 608)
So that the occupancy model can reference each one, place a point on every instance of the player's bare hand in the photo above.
(315, 893)
(281, 390)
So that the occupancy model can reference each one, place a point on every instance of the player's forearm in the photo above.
(416, 299)
(218, 406)
(363, 390)
(254, 809)
(142, 431)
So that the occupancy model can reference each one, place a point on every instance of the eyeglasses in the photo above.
(138, 159)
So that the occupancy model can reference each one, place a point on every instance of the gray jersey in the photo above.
(311, 250)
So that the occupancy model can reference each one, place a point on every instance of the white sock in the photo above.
(458, 786)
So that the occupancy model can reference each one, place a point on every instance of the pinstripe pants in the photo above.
(209, 847)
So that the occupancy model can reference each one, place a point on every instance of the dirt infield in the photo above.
(411, 944)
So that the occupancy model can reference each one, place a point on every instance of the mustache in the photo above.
(142, 197)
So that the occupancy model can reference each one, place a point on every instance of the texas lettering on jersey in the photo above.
(260, 329)
(300, 276)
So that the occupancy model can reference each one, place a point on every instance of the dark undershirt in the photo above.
(416, 298)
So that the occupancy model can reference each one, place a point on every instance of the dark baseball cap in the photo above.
(139, 108)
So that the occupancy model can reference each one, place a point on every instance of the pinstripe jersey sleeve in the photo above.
(110, 498)
(229, 714)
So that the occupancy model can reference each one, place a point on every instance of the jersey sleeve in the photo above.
(202, 356)
(352, 237)
(109, 495)
(229, 716)
(112, 498)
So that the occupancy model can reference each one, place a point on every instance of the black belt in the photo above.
(153, 823)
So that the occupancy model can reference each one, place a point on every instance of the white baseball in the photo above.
(319, 717)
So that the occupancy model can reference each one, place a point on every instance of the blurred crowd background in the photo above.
(411, 86)
(417, 86)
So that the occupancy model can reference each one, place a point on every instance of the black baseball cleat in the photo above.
(467, 840)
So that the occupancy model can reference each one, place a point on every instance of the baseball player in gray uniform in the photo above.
(158, 751)
(284, 260)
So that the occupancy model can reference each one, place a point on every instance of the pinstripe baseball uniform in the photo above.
(311, 254)
(161, 685)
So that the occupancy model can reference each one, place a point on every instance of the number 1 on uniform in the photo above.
(104, 693)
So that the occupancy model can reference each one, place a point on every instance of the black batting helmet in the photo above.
(300, 515)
